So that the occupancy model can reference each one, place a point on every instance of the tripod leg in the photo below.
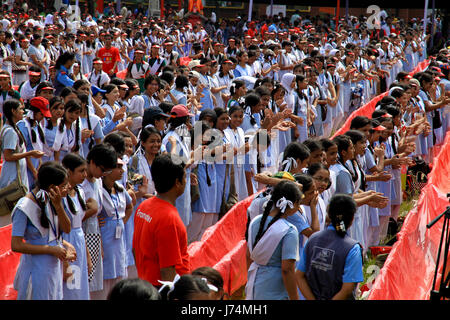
(443, 288)
(435, 290)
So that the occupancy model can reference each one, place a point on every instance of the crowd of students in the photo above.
(123, 172)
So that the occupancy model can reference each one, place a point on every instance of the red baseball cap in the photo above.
(379, 128)
(42, 104)
(180, 110)
(48, 88)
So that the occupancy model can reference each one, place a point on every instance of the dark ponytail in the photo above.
(341, 211)
(287, 189)
(33, 123)
(71, 161)
(343, 142)
(49, 173)
(84, 99)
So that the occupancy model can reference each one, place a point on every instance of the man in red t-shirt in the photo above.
(109, 55)
(160, 237)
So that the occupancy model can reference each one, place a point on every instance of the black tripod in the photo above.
(444, 289)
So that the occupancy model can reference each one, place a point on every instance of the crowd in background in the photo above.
(88, 107)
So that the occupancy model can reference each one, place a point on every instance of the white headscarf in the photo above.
(286, 81)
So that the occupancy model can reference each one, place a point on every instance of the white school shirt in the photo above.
(98, 79)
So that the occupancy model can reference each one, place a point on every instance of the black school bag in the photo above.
(417, 176)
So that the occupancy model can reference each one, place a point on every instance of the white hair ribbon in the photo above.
(170, 284)
(30, 114)
(288, 163)
(210, 286)
(43, 196)
(283, 203)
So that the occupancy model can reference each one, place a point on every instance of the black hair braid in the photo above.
(115, 186)
(394, 139)
(354, 175)
(19, 133)
(275, 219)
(266, 212)
(72, 208)
(221, 74)
(77, 136)
(44, 219)
(62, 123)
(49, 125)
(80, 198)
(361, 172)
(88, 119)
(32, 122)
(40, 132)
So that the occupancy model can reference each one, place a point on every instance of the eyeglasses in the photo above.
(104, 171)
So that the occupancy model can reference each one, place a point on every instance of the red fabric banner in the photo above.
(9, 261)
(369, 108)
(223, 247)
(409, 269)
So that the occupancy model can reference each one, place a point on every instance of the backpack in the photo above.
(417, 176)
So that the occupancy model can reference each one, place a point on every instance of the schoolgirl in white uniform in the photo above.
(116, 207)
(100, 161)
(111, 106)
(76, 287)
(38, 221)
(235, 135)
(273, 241)
(97, 76)
(91, 122)
(204, 208)
(179, 126)
(33, 133)
(54, 137)
(72, 123)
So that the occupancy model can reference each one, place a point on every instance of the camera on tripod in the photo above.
(443, 292)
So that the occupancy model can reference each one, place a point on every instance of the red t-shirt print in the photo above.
(159, 240)
(109, 57)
